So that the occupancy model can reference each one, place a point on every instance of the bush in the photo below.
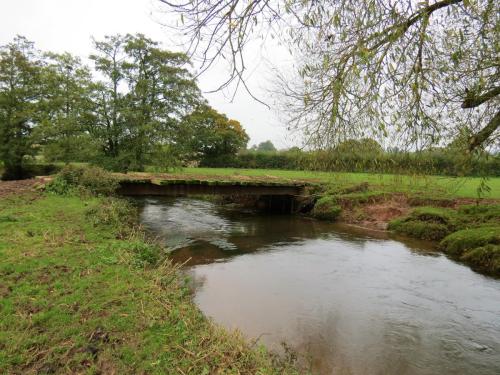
(467, 239)
(113, 212)
(436, 161)
(326, 208)
(30, 170)
(92, 180)
(485, 258)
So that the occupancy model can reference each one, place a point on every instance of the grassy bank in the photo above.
(83, 293)
(470, 233)
(460, 187)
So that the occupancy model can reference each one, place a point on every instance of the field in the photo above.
(454, 187)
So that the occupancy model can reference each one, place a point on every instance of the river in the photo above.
(348, 301)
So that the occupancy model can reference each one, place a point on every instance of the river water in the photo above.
(346, 300)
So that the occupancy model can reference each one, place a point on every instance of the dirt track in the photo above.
(19, 186)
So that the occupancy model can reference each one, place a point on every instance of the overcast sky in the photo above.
(67, 25)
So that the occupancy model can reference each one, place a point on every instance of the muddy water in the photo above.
(349, 302)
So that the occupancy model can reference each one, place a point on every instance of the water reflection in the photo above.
(350, 303)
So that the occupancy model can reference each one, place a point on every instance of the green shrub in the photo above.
(467, 239)
(59, 186)
(73, 179)
(326, 208)
(486, 258)
(98, 181)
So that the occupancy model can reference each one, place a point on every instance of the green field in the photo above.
(460, 187)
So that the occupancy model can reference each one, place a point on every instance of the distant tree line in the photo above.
(366, 155)
(138, 105)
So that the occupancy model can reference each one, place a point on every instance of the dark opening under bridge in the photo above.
(278, 196)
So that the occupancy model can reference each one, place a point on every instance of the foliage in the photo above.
(80, 295)
(20, 91)
(266, 146)
(72, 179)
(326, 208)
(415, 71)
(435, 161)
(66, 112)
(210, 137)
(145, 92)
(127, 120)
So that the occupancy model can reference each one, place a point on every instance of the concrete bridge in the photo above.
(280, 195)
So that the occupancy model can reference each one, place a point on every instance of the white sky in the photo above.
(67, 25)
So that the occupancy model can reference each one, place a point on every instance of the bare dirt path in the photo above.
(20, 186)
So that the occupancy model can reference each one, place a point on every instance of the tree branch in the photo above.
(480, 137)
(472, 100)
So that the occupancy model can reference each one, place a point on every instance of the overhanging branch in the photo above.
(472, 101)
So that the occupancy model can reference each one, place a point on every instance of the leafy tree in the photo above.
(161, 92)
(20, 93)
(266, 146)
(419, 71)
(109, 126)
(145, 93)
(66, 110)
(207, 135)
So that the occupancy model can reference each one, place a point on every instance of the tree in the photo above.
(109, 126)
(161, 92)
(418, 71)
(209, 136)
(145, 93)
(20, 93)
(67, 110)
(266, 146)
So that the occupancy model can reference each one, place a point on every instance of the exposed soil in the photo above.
(20, 186)
(378, 214)
(375, 215)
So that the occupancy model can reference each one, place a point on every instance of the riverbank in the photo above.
(464, 229)
(83, 291)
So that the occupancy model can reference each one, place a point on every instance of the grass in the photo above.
(326, 208)
(82, 292)
(467, 239)
(431, 186)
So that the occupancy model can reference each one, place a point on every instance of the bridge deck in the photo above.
(140, 185)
